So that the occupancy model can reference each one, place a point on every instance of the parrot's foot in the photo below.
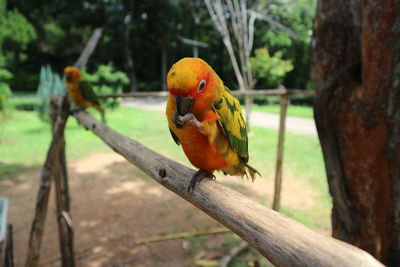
(197, 177)
(181, 121)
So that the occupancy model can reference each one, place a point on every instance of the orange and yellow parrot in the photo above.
(81, 91)
(206, 119)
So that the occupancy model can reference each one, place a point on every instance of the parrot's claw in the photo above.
(197, 177)
(181, 121)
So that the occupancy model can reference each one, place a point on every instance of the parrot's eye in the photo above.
(202, 84)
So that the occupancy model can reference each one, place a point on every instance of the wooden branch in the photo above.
(65, 230)
(89, 48)
(218, 230)
(48, 172)
(9, 254)
(233, 252)
(275, 23)
(263, 92)
(283, 241)
(217, 14)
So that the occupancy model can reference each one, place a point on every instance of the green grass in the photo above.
(24, 141)
(295, 111)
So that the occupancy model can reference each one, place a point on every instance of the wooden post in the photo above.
(50, 169)
(65, 230)
(9, 257)
(248, 103)
(279, 160)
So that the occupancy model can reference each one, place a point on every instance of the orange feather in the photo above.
(208, 146)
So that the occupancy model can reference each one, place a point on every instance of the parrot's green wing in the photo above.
(88, 93)
(176, 139)
(232, 122)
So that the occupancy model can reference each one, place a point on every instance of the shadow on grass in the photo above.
(11, 170)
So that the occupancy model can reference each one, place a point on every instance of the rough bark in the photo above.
(50, 169)
(356, 72)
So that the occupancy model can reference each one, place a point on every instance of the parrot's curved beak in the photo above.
(183, 105)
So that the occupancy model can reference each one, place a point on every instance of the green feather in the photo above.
(88, 93)
(232, 122)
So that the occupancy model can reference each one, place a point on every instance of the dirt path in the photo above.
(114, 204)
(262, 119)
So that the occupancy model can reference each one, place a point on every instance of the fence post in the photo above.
(62, 198)
(248, 103)
(50, 169)
(279, 160)
(9, 255)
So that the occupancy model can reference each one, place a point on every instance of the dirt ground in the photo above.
(114, 203)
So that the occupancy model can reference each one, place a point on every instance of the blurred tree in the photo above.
(15, 33)
(5, 91)
(295, 43)
(356, 73)
(269, 70)
(140, 37)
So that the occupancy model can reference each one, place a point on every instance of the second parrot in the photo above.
(81, 91)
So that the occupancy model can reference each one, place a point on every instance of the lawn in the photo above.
(295, 111)
(24, 141)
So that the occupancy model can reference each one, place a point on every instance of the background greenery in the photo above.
(35, 33)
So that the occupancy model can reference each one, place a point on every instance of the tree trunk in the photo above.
(356, 74)
(163, 66)
(129, 64)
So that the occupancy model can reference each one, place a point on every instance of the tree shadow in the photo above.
(11, 170)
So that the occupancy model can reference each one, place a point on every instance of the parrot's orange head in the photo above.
(193, 82)
(72, 74)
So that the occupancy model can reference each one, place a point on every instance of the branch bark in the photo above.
(283, 241)
(89, 48)
(50, 169)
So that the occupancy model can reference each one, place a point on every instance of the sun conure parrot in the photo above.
(81, 91)
(206, 119)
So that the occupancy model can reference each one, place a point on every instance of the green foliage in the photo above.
(14, 27)
(270, 70)
(50, 84)
(145, 31)
(5, 91)
(107, 80)
(296, 16)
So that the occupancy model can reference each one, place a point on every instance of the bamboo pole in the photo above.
(279, 160)
(214, 231)
(283, 241)
(49, 170)
(237, 93)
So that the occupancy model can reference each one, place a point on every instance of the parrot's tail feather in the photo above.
(251, 172)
